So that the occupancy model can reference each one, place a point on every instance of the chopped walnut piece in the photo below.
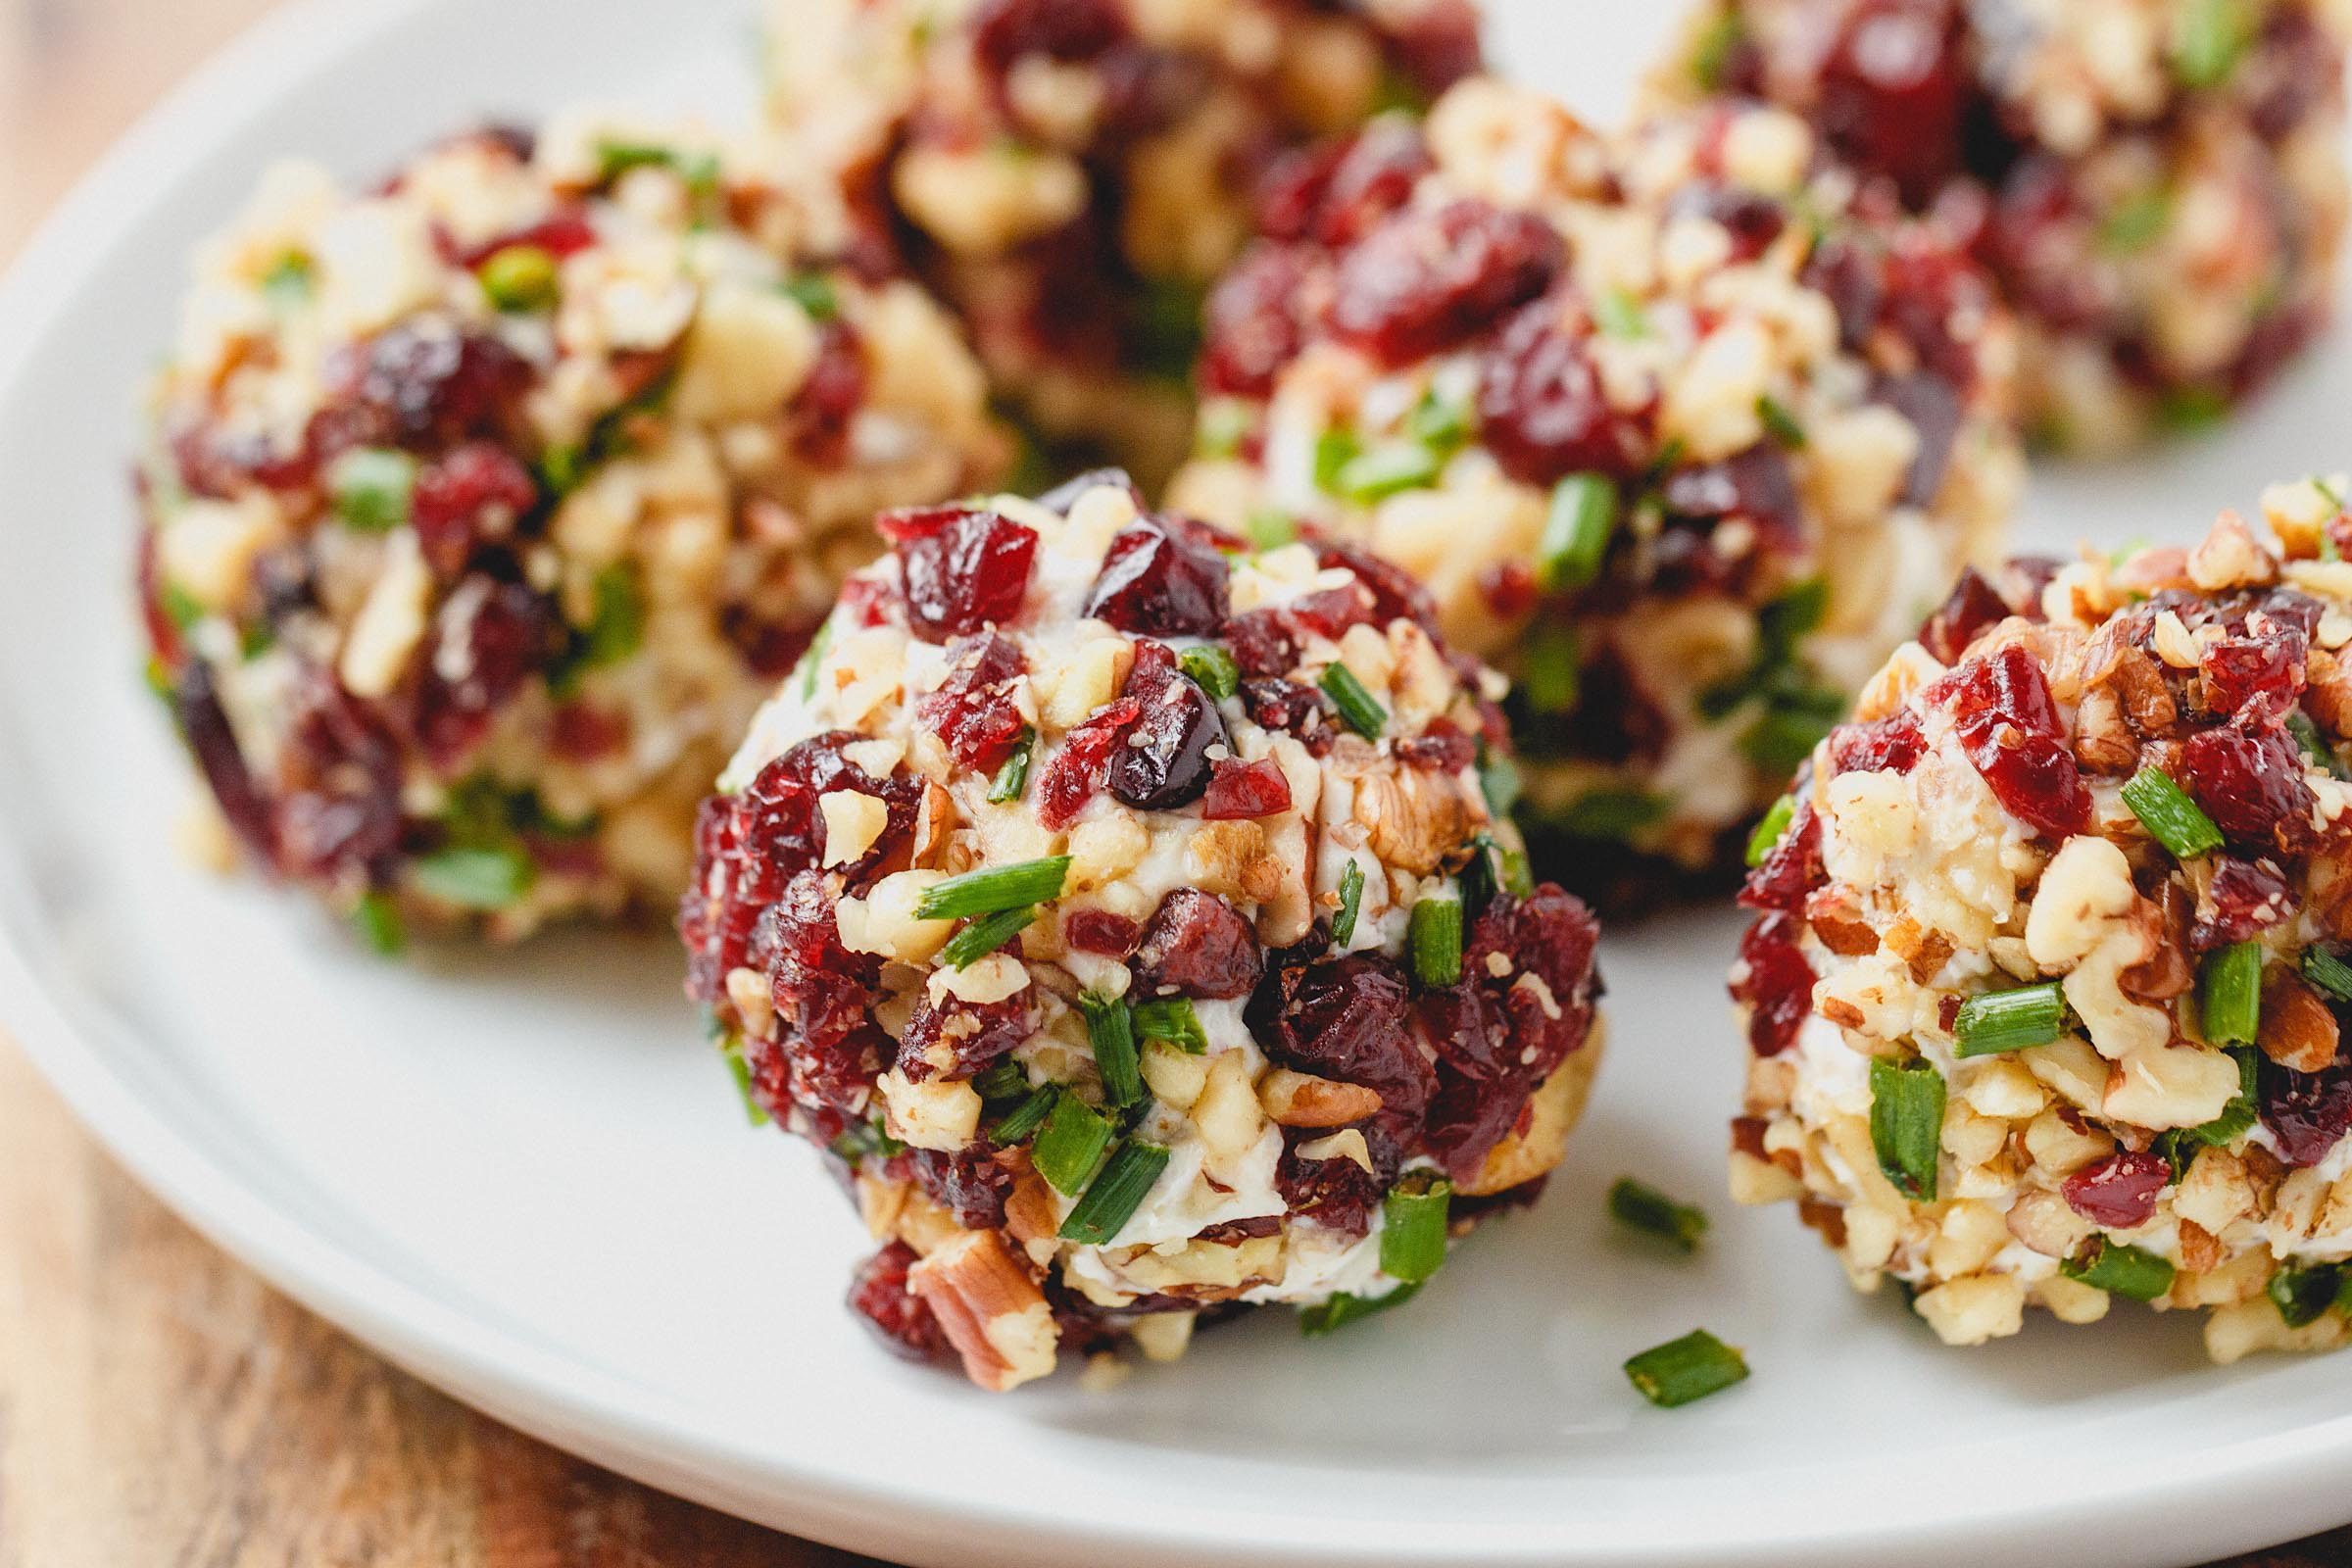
(989, 1307)
(2298, 1030)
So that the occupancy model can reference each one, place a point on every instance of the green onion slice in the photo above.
(1434, 932)
(377, 917)
(1412, 1227)
(1386, 470)
(1012, 778)
(1071, 1143)
(1356, 706)
(2230, 992)
(1026, 1117)
(369, 488)
(2171, 817)
(1643, 1207)
(2302, 1295)
(1769, 832)
(474, 878)
(1214, 669)
(2329, 972)
(1115, 1195)
(1109, 1028)
(985, 934)
(1781, 424)
(993, 888)
(741, 1072)
(1171, 1021)
(1576, 532)
(1685, 1369)
(1352, 899)
(2009, 1020)
(1330, 1316)
(1906, 1123)
(2129, 1271)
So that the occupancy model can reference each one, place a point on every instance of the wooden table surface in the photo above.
(158, 1403)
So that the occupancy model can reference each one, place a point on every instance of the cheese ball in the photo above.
(2045, 999)
(1124, 913)
(2158, 184)
(482, 507)
(1673, 432)
(1072, 173)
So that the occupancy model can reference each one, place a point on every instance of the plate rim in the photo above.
(644, 1433)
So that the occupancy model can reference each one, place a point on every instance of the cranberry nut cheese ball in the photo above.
(1124, 912)
(483, 508)
(1666, 429)
(2047, 998)
(2158, 184)
(1072, 173)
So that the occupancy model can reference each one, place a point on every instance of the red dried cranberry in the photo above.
(1348, 1019)
(1426, 280)
(1373, 176)
(163, 633)
(821, 411)
(2308, 1113)
(1162, 763)
(964, 567)
(1100, 931)
(1145, 90)
(1785, 878)
(205, 726)
(831, 1048)
(974, 710)
(1239, 791)
(1004, 30)
(1542, 409)
(2250, 782)
(1339, 1194)
(1252, 325)
(1553, 936)
(1893, 90)
(1972, 605)
(1329, 611)
(1261, 643)
(971, 1187)
(487, 640)
(1158, 583)
(477, 492)
(579, 732)
(768, 648)
(2119, 1192)
(1932, 406)
(1396, 594)
(1755, 485)
(563, 233)
(2009, 726)
(1197, 944)
(1776, 982)
(1075, 772)
(1890, 744)
(421, 384)
(1288, 707)
(901, 1319)
(2244, 898)
(782, 826)
(1752, 219)
(969, 1033)
(1852, 278)
(339, 777)
(1440, 749)
(2260, 676)
(1436, 44)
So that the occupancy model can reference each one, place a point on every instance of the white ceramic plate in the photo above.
(526, 1178)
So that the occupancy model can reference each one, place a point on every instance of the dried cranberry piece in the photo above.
(1436, 44)
(339, 775)
(475, 493)
(1339, 1192)
(2008, 724)
(1972, 605)
(204, 725)
(1329, 611)
(1155, 582)
(1145, 90)
(973, 712)
(488, 639)
(1238, 791)
(563, 233)
(1348, 1019)
(1395, 593)
(1004, 30)
(1553, 936)
(1197, 944)
(1792, 870)
(822, 411)
(1440, 749)
(2244, 898)
(1426, 280)
(1542, 409)
(2259, 674)
(421, 384)
(1752, 219)
(1288, 707)
(969, 1033)
(1932, 406)
(1893, 90)
(163, 633)
(1755, 485)
(1162, 763)
(1893, 744)
(2308, 1113)
(2250, 782)
(963, 568)
(901, 1319)
(780, 825)
(579, 732)
(971, 1187)
(1100, 931)
(1362, 181)
(831, 1048)
(1261, 643)
(2119, 1192)
(1852, 278)
(1252, 323)
(1076, 770)
(1776, 982)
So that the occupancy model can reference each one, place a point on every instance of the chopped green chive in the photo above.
(1619, 314)
(1026, 1117)
(614, 158)
(1617, 815)
(863, 1139)
(1712, 54)
(290, 280)
(1412, 1227)
(2189, 409)
(1643, 1208)
(1172, 1021)
(2238, 1116)
(474, 878)
(813, 658)
(2301, 1294)
(616, 620)
(1441, 423)
(1386, 470)
(2136, 222)
(1114, 1196)
(1071, 1143)
(1497, 780)
(1329, 1317)
(1108, 1027)
(377, 917)
(1434, 932)
(1548, 674)
(1012, 778)
(1214, 669)
(369, 488)
(2329, 972)
(179, 606)
(1003, 1081)
(1334, 451)
(1351, 902)
(1223, 426)
(2171, 817)
(1791, 725)
(1358, 707)
(993, 888)
(1576, 532)
(561, 469)
(2230, 994)
(741, 1072)
(519, 278)
(2009, 1020)
(1779, 422)
(1270, 530)
(2314, 745)
(815, 294)
(984, 935)
(1769, 832)
(2129, 1271)
(2207, 41)
(1685, 1369)
(1906, 1123)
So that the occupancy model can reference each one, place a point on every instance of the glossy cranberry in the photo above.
(2259, 675)
(1973, 606)
(715, 923)
(561, 235)
(339, 780)
(963, 568)
(1373, 175)
(163, 633)
(1066, 495)
(1436, 44)
(1348, 1019)
(2036, 243)
(974, 711)
(1542, 409)
(1509, 589)
(1263, 643)
(901, 1319)
(2009, 726)
(1755, 485)
(475, 493)
(1792, 870)
(970, 1035)
(421, 384)
(2308, 1113)
(1932, 406)
(1890, 744)
(782, 826)
(2119, 1192)
(1197, 944)
(1852, 278)
(487, 640)
(1288, 707)
(1553, 936)
(971, 1187)
(821, 411)
(2243, 900)
(1239, 791)
(1426, 280)
(1440, 749)
(1752, 219)
(1394, 594)
(204, 725)
(1004, 30)
(1893, 90)
(1075, 772)
(1100, 931)
(1162, 763)
(2250, 782)
(1776, 983)
(1159, 583)
(1339, 1194)
(832, 1050)
(1252, 323)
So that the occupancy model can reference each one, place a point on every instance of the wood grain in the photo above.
(158, 1404)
